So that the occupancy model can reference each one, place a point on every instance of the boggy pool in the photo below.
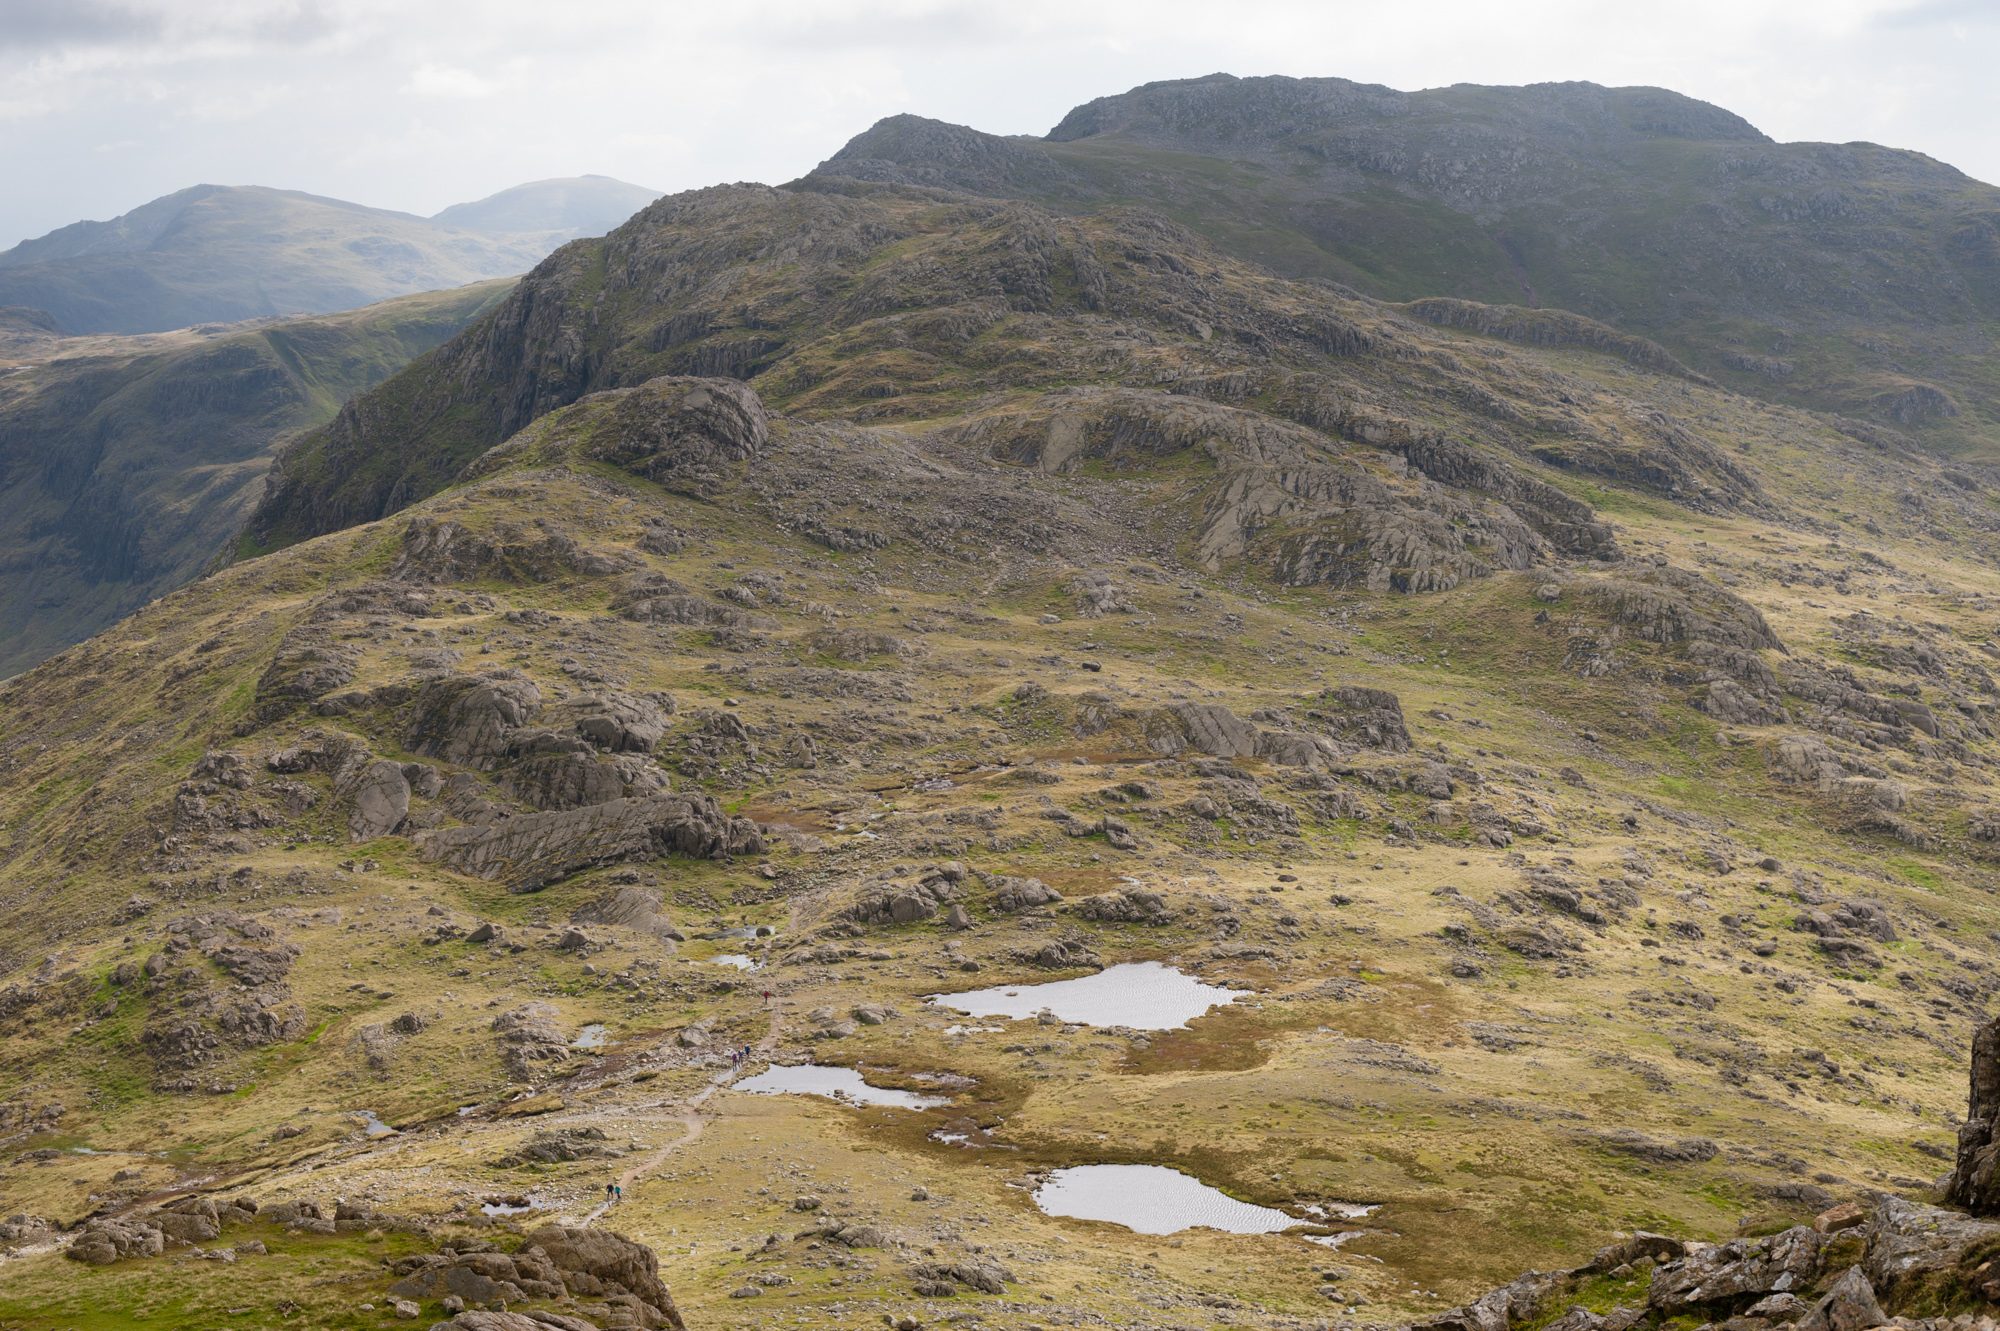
(835, 1083)
(1152, 1199)
(1145, 995)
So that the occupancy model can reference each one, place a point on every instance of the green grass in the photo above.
(51, 1294)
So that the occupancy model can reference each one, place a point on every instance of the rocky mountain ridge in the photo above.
(1848, 278)
(676, 291)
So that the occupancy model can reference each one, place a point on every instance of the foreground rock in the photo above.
(1906, 1264)
(1974, 1184)
(615, 1281)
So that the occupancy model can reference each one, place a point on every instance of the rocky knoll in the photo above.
(596, 1277)
(198, 1017)
(893, 301)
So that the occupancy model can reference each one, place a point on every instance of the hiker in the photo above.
(610, 1190)
(617, 1192)
(767, 995)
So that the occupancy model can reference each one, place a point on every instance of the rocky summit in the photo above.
(878, 752)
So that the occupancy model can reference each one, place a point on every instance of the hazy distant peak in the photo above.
(222, 253)
(573, 205)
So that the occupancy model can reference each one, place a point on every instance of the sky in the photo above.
(417, 104)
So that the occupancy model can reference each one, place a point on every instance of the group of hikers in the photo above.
(613, 1194)
(739, 1056)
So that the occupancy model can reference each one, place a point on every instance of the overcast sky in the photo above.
(415, 104)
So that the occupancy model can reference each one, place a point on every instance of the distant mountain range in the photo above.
(220, 254)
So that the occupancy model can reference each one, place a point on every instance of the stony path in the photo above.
(691, 1117)
(687, 1113)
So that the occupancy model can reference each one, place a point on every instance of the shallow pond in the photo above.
(1145, 995)
(1152, 1199)
(836, 1083)
(592, 1036)
(1335, 1240)
(372, 1126)
(736, 959)
(507, 1207)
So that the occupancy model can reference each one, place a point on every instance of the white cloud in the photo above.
(434, 80)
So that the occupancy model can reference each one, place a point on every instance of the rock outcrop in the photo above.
(436, 551)
(636, 908)
(533, 850)
(898, 900)
(678, 432)
(1670, 606)
(1364, 717)
(380, 796)
(107, 1240)
(555, 772)
(1892, 1262)
(1975, 1180)
(465, 719)
(194, 1021)
(530, 1041)
(614, 1280)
